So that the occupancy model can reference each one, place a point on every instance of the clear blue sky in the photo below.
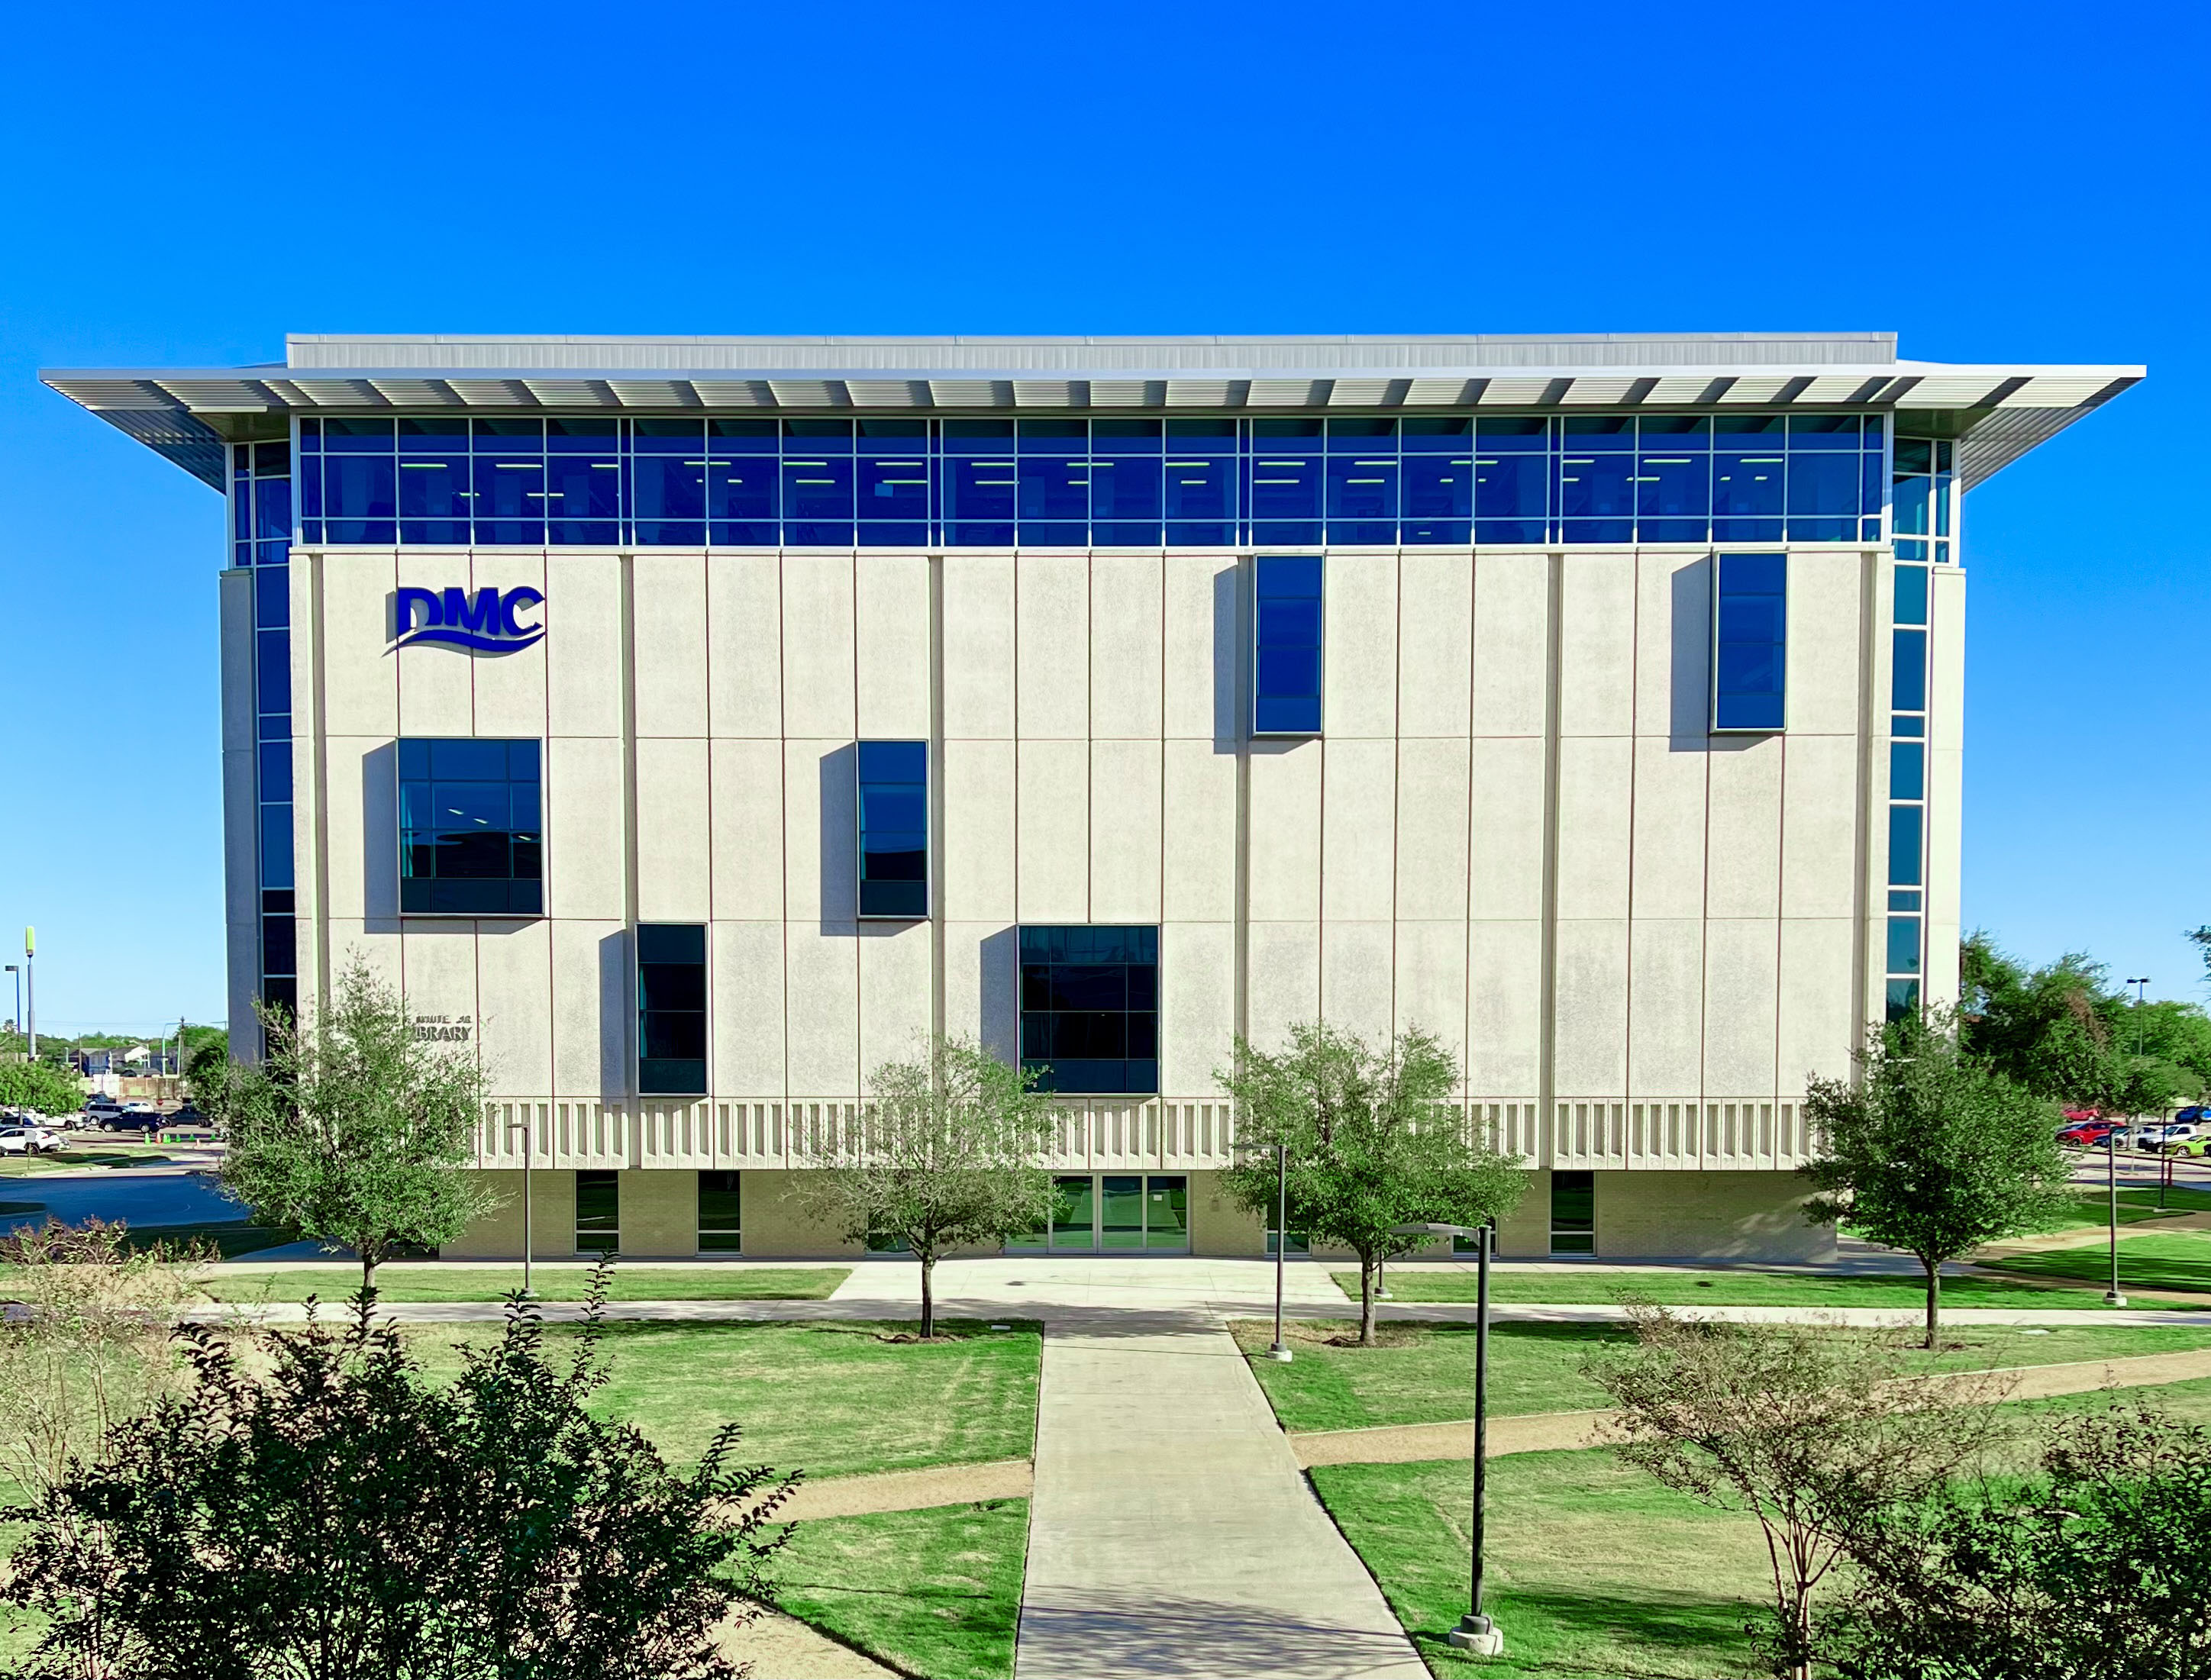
(1994, 182)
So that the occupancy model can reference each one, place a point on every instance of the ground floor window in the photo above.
(1115, 1213)
(720, 1231)
(1573, 1212)
(598, 1212)
(1300, 1242)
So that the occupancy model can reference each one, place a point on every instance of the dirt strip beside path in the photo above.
(910, 1489)
(1554, 1431)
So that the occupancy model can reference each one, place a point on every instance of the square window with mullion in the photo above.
(671, 1002)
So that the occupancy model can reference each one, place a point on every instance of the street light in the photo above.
(18, 1017)
(1476, 1632)
(2112, 1159)
(528, 1128)
(1278, 1349)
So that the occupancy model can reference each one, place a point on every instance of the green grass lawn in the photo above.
(91, 1155)
(829, 1399)
(935, 1592)
(2165, 1259)
(1424, 1373)
(492, 1283)
(1593, 1569)
(1574, 1287)
(2093, 1207)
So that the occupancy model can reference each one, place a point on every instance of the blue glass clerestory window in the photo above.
(893, 829)
(470, 840)
(1090, 1009)
(1750, 641)
(672, 1009)
(1287, 662)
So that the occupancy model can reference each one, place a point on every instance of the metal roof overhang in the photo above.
(1998, 413)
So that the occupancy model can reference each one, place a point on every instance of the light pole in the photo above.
(17, 1020)
(1279, 1349)
(2112, 1295)
(31, 989)
(1476, 1632)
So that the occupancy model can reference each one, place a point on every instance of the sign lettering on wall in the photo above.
(490, 621)
(443, 1029)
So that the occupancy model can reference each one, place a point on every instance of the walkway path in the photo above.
(1171, 1533)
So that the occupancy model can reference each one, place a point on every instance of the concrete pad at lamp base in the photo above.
(1490, 1644)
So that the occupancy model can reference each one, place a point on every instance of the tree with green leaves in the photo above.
(945, 1155)
(41, 1086)
(2089, 1567)
(353, 1128)
(1931, 1151)
(2063, 1031)
(316, 1505)
(1372, 1140)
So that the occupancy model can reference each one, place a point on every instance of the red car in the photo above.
(2087, 1133)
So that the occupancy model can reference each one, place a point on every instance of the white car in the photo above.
(2172, 1132)
(29, 1140)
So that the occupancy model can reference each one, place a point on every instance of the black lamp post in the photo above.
(2111, 1157)
(1476, 1632)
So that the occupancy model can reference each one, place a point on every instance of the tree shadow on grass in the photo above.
(1596, 1634)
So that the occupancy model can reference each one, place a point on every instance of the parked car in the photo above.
(2172, 1131)
(29, 1140)
(2087, 1133)
(2187, 1148)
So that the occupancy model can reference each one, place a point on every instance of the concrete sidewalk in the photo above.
(1170, 1531)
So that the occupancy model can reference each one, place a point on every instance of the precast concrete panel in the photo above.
(1673, 644)
(514, 1029)
(1433, 825)
(1742, 867)
(1051, 645)
(746, 822)
(360, 686)
(356, 816)
(1512, 640)
(1285, 830)
(1358, 646)
(1826, 590)
(1430, 982)
(978, 646)
(1820, 826)
(1665, 1008)
(745, 1010)
(674, 866)
(1817, 1026)
(978, 829)
(744, 645)
(510, 693)
(438, 969)
(820, 832)
(1125, 850)
(893, 617)
(1359, 841)
(1052, 831)
(1282, 980)
(1358, 977)
(1507, 845)
(584, 649)
(1201, 613)
(591, 998)
(669, 640)
(1435, 645)
(895, 964)
(817, 646)
(585, 798)
(982, 985)
(1596, 644)
(377, 946)
(1595, 803)
(437, 694)
(1127, 646)
(1589, 1035)
(1198, 826)
(1197, 1006)
(1742, 962)
(823, 1024)
(1668, 850)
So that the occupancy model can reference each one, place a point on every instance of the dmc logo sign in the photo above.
(488, 620)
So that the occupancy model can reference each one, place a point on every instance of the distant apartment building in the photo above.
(691, 725)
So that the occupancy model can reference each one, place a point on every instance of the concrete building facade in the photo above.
(690, 726)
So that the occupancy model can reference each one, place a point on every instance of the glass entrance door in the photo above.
(1119, 1213)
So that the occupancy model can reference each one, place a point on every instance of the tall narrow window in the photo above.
(598, 1212)
(720, 1227)
(470, 840)
(1573, 1212)
(893, 829)
(672, 1009)
(1090, 1009)
(1285, 687)
(1750, 641)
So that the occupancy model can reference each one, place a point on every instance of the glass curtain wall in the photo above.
(1290, 480)
(1923, 494)
(260, 540)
